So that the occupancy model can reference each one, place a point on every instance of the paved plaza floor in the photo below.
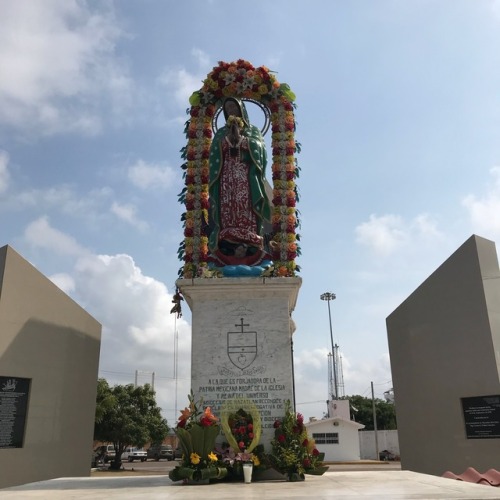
(337, 485)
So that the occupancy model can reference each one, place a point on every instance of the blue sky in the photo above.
(399, 120)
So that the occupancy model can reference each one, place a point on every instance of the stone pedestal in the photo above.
(242, 342)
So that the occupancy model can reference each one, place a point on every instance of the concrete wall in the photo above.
(444, 344)
(48, 338)
(387, 440)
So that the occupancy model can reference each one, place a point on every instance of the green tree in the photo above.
(127, 416)
(386, 413)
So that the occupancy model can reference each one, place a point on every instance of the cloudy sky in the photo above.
(399, 120)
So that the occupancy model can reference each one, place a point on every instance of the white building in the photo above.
(337, 436)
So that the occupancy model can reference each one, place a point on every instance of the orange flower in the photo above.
(282, 271)
(208, 414)
(185, 414)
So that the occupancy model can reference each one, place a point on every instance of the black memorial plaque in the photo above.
(482, 417)
(14, 393)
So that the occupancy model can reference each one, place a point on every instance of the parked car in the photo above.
(106, 453)
(386, 455)
(159, 451)
(132, 454)
(97, 460)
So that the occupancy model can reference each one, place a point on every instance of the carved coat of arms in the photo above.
(242, 346)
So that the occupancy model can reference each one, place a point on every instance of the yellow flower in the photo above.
(212, 456)
(262, 89)
(195, 458)
(255, 460)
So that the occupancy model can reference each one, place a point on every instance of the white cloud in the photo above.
(181, 82)
(495, 8)
(138, 331)
(4, 172)
(90, 206)
(484, 212)
(56, 58)
(383, 234)
(151, 175)
(64, 281)
(202, 57)
(128, 213)
(388, 233)
(41, 234)
(357, 375)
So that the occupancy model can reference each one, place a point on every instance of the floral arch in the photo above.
(242, 80)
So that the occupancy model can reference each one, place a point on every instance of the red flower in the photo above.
(300, 418)
(250, 435)
(205, 422)
(277, 424)
(306, 463)
(274, 107)
(281, 438)
(181, 424)
(210, 110)
(315, 452)
(241, 444)
(305, 443)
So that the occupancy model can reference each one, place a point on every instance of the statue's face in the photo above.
(231, 108)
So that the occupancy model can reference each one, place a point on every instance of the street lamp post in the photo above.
(328, 296)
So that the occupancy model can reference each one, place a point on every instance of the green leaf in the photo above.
(194, 100)
(287, 92)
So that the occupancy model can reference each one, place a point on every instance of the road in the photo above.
(164, 466)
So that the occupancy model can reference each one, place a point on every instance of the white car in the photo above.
(132, 454)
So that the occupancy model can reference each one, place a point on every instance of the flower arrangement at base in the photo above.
(197, 431)
(293, 452)
(241, 424)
